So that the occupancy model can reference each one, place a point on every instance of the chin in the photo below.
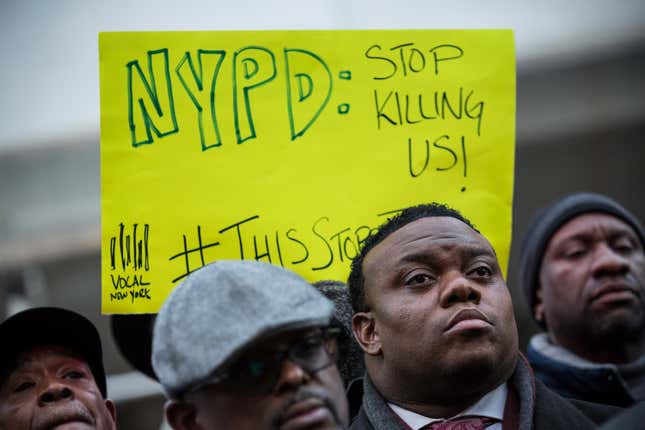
(483, 365)
(620, 324)
(473, 377)
(471, 363)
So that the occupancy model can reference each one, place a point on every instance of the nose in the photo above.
(55, 392)
(459, 289)
(291, 377)
(608, 262)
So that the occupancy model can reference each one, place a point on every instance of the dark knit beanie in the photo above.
(548, 220)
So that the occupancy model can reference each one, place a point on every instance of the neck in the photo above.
(437, 398)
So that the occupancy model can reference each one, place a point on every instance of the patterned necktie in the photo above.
(471, 422)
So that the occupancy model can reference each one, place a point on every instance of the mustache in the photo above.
(302, 395)
(59, 414)
(624, 282)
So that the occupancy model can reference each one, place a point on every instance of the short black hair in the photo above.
(356, 281)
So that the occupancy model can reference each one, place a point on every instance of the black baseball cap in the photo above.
(133, 335)
(52, 326)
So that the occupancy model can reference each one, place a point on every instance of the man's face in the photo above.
(592, 281)
(297, 400)
(439, 311)
(53, 388)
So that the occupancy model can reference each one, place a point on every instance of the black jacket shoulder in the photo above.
(553, 411)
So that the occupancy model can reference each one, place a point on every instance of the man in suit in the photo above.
(435, 320)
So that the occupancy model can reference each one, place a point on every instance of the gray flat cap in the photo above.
(223, 308)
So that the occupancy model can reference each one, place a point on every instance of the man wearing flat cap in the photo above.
(51, 373)
(247, 345)
(583, 275)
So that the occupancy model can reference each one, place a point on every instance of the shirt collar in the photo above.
(491, 405)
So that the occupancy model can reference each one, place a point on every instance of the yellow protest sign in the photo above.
(291, 146)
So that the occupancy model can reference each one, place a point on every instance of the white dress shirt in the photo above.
(491, 405)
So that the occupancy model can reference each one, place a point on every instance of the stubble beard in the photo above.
(617, 326)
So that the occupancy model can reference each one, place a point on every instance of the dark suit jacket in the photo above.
(631, 419)
(539, 407)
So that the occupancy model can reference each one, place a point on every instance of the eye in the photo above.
(254, 368)
(623, 245)
(419, 279)
(23, 386)
(312, 342)
(482, 271)
(74, 374)
(574, 253)
(246, 368)
(309, 346)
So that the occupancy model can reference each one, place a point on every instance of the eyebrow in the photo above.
(467, 252)
(478, 251)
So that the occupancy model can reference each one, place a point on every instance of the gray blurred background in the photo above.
(580, 126)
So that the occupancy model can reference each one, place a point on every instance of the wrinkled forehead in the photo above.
(431, 233)
(49, 355)
(590, 225)
(37, 358)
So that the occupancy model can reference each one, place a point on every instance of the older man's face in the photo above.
(291, 398)
(53, 389)
(592, 281)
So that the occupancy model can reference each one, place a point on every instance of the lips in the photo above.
(613, 292)
(306, 414)
(468, 319)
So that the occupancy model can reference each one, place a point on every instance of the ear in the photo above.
(111, 407)
(364, 328)
(538, 307)
(181, 415)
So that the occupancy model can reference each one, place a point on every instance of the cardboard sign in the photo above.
(292, 146)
